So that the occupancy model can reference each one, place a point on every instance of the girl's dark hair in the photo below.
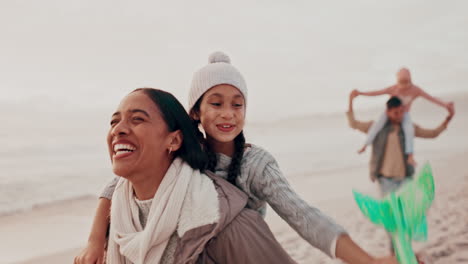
(176, 118)
(239, 146)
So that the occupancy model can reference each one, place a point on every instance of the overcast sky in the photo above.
(303, 55)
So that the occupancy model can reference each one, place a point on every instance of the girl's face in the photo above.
(222, 113)
(404, 78)
(404, 82)
(138, 138)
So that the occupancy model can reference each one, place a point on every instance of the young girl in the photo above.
(407, 92)
(217, 102)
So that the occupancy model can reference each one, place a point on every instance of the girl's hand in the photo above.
(449, 117)
(451, 108)
(92, 254)
(354, 93)
(386, 260)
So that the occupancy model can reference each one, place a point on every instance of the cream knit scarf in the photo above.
(128, 241)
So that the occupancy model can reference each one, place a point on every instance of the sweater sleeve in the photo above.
(309, 222)
(108, 190)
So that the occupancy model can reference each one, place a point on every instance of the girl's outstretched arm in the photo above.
(268, 183)
(435, 100)
(95, 249)
(376, 92)
(350, 252)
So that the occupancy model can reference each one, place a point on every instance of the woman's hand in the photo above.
(92, 254)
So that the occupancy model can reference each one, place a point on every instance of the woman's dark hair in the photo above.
(239, 146)
(177, 118)
(393, 102)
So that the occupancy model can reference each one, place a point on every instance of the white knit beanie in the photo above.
(218, 71)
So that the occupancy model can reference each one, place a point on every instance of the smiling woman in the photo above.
(145, 132)
(164, 209)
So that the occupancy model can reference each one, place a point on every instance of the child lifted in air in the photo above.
(407, 92)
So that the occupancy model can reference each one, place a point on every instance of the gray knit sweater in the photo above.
(262, 180)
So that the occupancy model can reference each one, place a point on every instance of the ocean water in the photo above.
(50, 156)
(59, 156)
(65, 67)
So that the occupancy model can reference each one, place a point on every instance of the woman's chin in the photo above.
(123, 172)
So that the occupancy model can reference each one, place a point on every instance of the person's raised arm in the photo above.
(353, 123)
(432, 133)
(352, 95)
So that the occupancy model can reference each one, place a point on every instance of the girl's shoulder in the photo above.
(393, 90)
(417, 90)
(256, 165)
(254, 155)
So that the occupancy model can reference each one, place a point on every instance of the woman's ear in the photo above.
(176, 140)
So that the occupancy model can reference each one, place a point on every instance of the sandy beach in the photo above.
(56, 233)
(448, 227)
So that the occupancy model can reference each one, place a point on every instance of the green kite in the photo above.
(402, 213)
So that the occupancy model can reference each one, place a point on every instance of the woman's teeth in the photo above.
(123, 148)
(123, 151)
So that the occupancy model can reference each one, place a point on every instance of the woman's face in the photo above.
(222, 113)
(138, 138)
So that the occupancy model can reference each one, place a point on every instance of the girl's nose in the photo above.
(227, 114)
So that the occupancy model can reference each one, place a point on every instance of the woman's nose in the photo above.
(121, 128)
